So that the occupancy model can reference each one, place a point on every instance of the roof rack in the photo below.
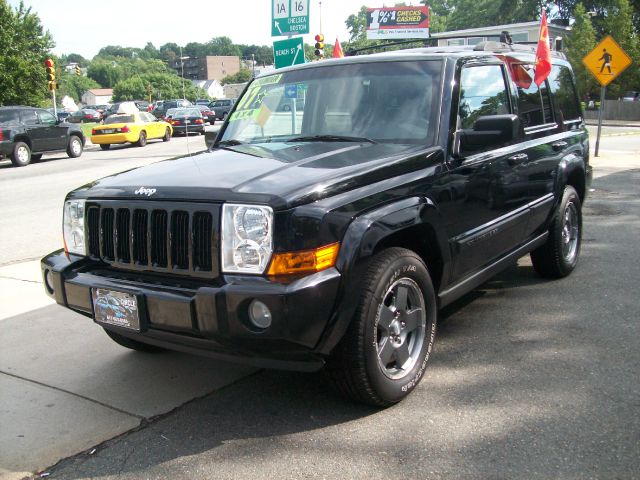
(505, 44)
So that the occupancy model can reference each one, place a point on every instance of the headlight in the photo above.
(73, 226)
(247, 238)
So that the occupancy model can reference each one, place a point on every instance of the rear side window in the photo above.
(483, 91)
(564, 94)
(534, 106)
(9, 116)
(29, 117)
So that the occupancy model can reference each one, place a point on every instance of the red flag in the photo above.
(543, 53)
(337, 50)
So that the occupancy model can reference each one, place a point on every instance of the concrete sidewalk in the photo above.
(65, 386)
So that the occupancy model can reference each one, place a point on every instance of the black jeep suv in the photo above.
(329, 237)
(26, 133)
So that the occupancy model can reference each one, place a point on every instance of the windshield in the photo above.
(120, 119)
(387, 102)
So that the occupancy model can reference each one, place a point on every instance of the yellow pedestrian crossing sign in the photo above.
(606, 61)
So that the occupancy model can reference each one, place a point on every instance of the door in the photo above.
(485, 199)
(45, 137)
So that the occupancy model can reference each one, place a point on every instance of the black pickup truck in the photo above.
(26, 133)
(330, 237)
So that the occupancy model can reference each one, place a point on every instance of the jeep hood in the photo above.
(279, 174)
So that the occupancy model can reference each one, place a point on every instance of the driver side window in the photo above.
(483, 91)
(47, 119)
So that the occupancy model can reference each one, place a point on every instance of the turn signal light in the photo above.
(305, 261)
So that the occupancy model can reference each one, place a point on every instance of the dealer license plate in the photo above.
(116, 308)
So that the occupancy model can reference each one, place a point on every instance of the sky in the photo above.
(84, 27)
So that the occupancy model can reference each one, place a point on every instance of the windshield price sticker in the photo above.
(247, 106)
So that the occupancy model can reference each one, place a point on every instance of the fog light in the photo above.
(48, 281)
(259, 314)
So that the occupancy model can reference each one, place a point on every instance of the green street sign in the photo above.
(288, 52)
(289, 17)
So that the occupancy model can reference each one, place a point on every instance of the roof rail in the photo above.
(505, 44)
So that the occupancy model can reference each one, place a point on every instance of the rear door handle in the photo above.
(559, 145)
(517, 158)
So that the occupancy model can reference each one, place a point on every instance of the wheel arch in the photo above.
(572, 171)
(24, 139)
(413, 223)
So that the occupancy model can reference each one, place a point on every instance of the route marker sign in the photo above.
(289, 17)
(288, 52)
(606, 61)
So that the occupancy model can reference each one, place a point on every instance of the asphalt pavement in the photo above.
(529, 379)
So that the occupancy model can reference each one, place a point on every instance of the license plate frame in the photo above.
(116, 308)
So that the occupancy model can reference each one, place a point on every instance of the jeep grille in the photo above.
(155, 236)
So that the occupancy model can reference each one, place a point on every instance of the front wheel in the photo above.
(167, 135)
(559, 255)
(384, 353)
(142, 140)
(74, 148)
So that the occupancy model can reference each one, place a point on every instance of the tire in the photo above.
(559, 255)
(36, 156)
(167, 135)
(21, 155)
(142, 140)
(365, 365)
(133, 344)
(74, 148)
(105, 146)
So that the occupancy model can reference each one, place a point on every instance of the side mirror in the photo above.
(490, 131)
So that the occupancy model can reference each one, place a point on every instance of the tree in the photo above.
(244, 75)
(74, 86)
(161, 86)
(619, 24)
(25, 46)
(74, 58)
(581, 41)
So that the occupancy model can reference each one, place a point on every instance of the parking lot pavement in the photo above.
(65, 386)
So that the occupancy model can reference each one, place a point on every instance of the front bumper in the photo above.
(208, 317)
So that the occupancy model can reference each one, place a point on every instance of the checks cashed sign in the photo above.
(397, 23)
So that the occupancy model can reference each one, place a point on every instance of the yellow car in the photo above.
(130, 128)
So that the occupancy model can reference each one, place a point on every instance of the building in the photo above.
(233, 90)
(97, 96)
(212, 87)
(206, 68)
(526, 32)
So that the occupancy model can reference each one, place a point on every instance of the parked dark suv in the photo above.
(222, 107)
(26, 133)
(330, 237)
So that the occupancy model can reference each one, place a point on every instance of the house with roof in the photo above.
(97, 96)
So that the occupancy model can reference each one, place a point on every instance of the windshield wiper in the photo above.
(330, 138)
(230, 143)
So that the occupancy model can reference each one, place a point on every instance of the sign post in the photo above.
(289, 17)
(605, 62)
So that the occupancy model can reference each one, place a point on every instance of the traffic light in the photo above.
(51, 74)
(319, 45)
(78, 72)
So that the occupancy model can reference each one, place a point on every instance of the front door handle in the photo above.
(517, 158)
(557, 146)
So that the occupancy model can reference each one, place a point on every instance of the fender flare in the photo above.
(365, 233)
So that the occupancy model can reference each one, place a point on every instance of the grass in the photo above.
(86, 128)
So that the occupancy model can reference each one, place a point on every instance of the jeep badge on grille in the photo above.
(145, 191)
